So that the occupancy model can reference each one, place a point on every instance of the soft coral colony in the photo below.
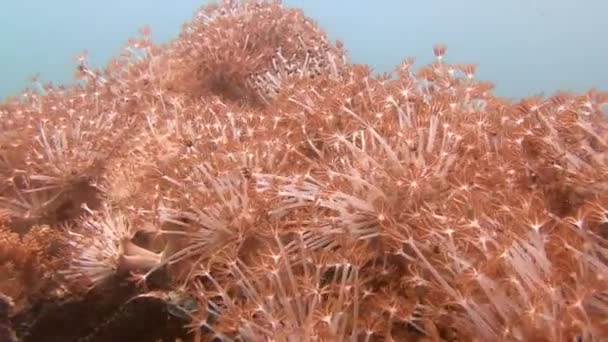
(291, 195)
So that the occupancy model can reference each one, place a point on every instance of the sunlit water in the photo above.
(525, 47)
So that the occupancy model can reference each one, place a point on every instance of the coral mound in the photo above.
(247, 182)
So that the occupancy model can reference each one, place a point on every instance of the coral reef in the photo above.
(246, 182)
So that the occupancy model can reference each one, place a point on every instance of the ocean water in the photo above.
(526, 47)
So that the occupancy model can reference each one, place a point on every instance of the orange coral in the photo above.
(286, 193)
(30, 263)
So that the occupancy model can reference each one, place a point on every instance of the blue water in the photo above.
(525, 47)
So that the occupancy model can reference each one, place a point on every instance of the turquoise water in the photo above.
(524, 47)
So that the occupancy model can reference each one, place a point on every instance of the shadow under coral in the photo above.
(105, 314)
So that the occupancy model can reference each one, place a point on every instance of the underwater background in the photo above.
(525, 47)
